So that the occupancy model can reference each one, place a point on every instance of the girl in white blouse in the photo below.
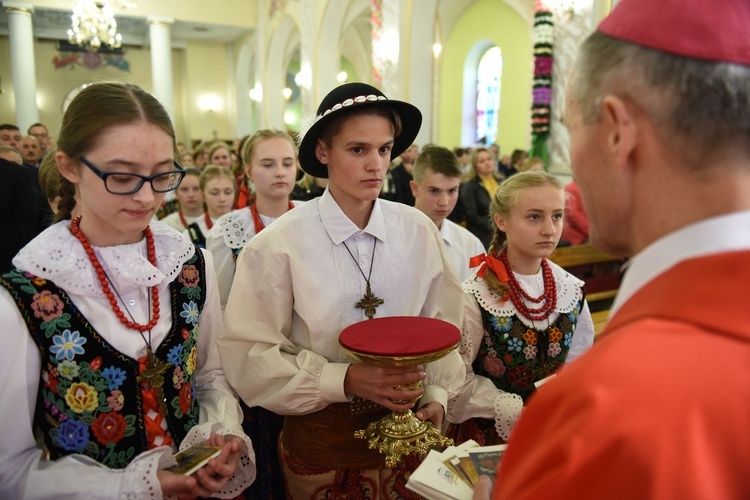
(525, 316)
(101, 355)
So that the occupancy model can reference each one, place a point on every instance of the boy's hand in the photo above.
(377, 384)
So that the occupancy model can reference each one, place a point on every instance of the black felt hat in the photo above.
(345, 98)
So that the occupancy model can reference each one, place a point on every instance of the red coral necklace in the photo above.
(517, 293)
(104, 279)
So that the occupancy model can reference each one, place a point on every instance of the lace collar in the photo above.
(57, 255)
(236, 228)
(569, 292)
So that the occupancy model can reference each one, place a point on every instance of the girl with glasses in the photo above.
(101, 358)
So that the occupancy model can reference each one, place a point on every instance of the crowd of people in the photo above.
(155, 297)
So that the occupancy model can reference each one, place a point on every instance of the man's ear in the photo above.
(621, 123)
(414, 188)
(68, 167)
(321, 152)
(499, 222)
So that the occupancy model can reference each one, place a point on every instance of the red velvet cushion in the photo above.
(400, 336)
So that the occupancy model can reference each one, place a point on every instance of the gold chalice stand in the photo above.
(401, 341)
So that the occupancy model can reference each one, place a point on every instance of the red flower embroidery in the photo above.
(189, 276)
(186, 397)
(108, 427)
(494, 366)
(96, 363)
(47, 305)
(185, 333)
(50, 381)
(520, 376)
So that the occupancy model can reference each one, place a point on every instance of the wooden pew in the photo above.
(601, 273)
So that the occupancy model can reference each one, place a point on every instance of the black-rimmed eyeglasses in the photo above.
(127, 183)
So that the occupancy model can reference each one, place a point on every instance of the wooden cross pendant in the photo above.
(153, 376)
(369, 302)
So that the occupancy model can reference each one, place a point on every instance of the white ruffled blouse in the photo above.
(56, 255)
(231, 232)
(479, 397)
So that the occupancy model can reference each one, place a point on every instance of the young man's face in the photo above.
(436, 195)
(358, 158)
(11, 138)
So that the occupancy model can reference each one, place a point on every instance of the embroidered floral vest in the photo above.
(89, 400)
(515, 356)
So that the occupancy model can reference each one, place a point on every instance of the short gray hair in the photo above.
(701, 107)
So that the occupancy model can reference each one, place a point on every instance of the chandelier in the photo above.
(93, 24)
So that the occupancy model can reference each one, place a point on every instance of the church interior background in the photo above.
(481, 71)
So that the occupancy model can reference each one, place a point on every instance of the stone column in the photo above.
(161, 61)
(22, 63)
(570, 31)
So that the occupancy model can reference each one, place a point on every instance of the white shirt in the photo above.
(232, 231)
(58, 256)
(724, 233)
(480, 398)
(461, 246)
(296, 287)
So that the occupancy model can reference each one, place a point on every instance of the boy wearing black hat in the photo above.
(334, 261)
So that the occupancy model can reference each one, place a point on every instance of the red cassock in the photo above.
(659, 408)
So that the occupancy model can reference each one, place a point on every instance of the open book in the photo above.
(452, 474)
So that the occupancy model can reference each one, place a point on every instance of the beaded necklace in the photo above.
(517, 293)
(104, 280)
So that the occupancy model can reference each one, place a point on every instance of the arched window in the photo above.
(489, 73)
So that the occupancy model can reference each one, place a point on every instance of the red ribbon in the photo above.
(492, 262)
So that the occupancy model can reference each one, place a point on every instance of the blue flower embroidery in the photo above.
(175, 355)
(67, 344)
(501, 323)
(115, 376)
(573, 315)
(73, 435)
(515, 344)
(190, 312)
(567, 338)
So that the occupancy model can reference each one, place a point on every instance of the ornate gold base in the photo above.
(400, 434)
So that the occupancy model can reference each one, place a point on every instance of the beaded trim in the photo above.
(349, 102)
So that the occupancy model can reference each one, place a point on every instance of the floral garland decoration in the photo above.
(542, 87)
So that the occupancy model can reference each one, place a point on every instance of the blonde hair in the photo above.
(249, 147)
(217, 146)
(530, 163)
(472, 173)
(211, 172)
(503, 202)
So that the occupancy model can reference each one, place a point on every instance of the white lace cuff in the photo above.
(245, 473)
(140, 481)
(508, 408)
